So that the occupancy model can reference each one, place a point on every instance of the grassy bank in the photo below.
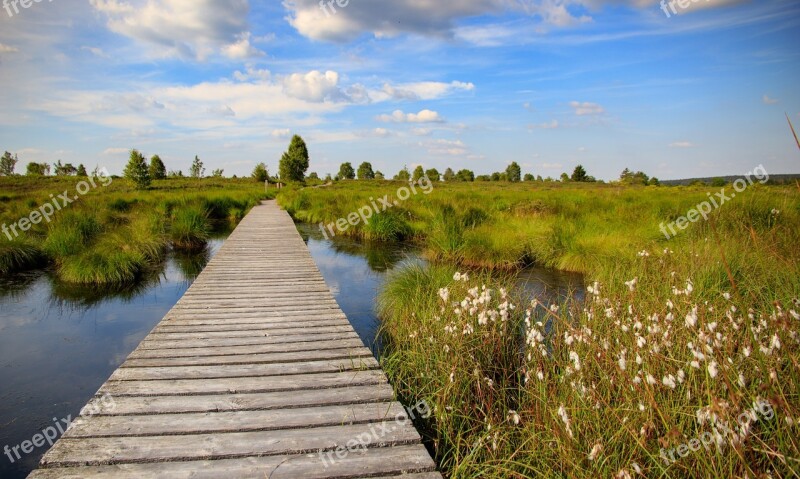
(677, 341)
(114, 233)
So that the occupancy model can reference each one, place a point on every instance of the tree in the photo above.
(7, 164)
(137, 170)
(529, 177)
(403, 175)
(719, 182)
(346, 172)
(514, 173)
(379, 176)
(496, 176)
(175, 174)
(64, 170)
(433, 175)
(82, 171)
(313, 176)
(218, 173)
(630, 178)
(654, 182)
(419, 173)
(564, 178)
(328, 178)
(539, 178)
(37, 169)
(483, 178)
(294, 163)
(197, 170)
(365, 171)
(449, 175)
(157, 170)
(465, 176)
(579, 174)
(260, 173)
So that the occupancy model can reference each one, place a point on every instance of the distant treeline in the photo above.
(727, 180)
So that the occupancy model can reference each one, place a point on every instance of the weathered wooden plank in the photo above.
(407, 461)
(249, 332)
(243, 370)
(286, 348)
(242, 385)
(234, 421)
(222, 342)
(269, 358)
(136, 405)
(128, 450)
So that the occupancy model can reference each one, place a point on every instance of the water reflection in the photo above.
(60, 342)
(355, 271)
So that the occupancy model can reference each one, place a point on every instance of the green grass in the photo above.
(494, 417)
(116, 234)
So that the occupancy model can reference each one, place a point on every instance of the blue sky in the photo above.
(464, 84)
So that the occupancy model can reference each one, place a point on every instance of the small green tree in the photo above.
(565, 178)
(529, 177)
(137, 170)
(465, 176)
(579, 174)
(655, 182)
(197, 170)
(514, 173)
(719, 182)
(37, 169)
(365, 171)
(294, 163)
(313, 176)
(218, 173)
(82, 171)
(403, 175)
(157, 170)
(449, 175)
(419, 173)
(346, 172)
(433, 175)
(379, 176)
(260, 173)
(8, 163)
(496, 176)
(64, 170)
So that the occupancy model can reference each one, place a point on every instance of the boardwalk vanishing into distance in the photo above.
(255, 373)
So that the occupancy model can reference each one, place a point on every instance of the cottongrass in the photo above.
(598, 389)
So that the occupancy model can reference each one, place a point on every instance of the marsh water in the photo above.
(59, 344)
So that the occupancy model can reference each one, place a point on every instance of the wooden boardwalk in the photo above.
(255, 373)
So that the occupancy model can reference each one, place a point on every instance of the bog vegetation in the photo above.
(115, 233)
(668, 368)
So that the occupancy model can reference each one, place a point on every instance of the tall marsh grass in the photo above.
(676, 340)
(116, 234)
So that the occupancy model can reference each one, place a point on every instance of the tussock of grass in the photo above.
(70, 233)
(19, 255)
(190, 227)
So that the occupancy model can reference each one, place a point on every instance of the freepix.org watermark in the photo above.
(761, 409)
(715, 202)
(375, 434)
(329, 6)
(57, 203)
(50, 434)
(366, 212)
(12, 6)
(667, 6)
